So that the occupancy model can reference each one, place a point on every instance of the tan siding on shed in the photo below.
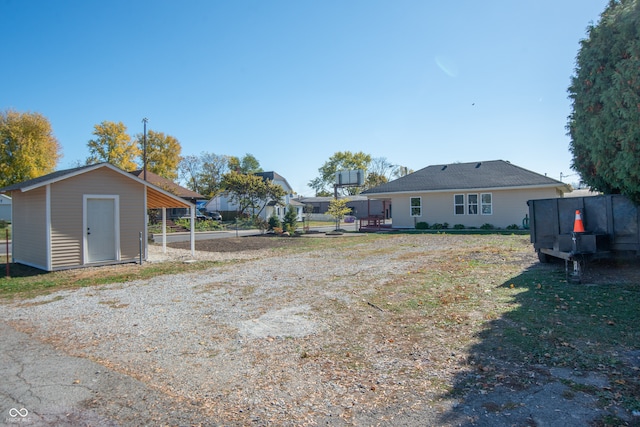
(29, 245)
(67, 214)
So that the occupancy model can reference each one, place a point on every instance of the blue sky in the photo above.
(292, 82)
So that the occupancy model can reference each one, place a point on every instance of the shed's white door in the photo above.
(101, 229)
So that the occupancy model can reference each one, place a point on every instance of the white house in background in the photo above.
(5, 208)
(222, 204)
(472, 194)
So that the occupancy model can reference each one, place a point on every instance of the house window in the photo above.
(416, 206)
(472, 203)
(458, 204)
(486, 205)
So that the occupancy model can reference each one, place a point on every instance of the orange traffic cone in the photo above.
(578, 227)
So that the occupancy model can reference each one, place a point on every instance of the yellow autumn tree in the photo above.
(163, 154)
(338, 209)
(28, 148)
(112, 144)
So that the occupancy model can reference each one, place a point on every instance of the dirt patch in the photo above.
(240, 244)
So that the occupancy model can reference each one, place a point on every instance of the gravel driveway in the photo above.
(261, 341)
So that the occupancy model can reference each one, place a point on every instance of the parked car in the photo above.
(216, 216)
(199, 217)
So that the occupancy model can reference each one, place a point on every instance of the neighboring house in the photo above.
(472, 194)
(5, 208)
(221, 203)
(361, 206)
(85, 216)
(173, 188)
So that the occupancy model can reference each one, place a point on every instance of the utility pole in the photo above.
(144, 149)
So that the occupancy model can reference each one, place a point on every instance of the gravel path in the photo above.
(261, 341)
(232, 339)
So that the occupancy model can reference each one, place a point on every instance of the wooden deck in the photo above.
(373, 223)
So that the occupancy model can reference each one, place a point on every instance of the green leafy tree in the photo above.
(112, 144)
(248, 164)
(338, 209)
(163, 153)
(375, 179)
(604, 124)
(204, 173)
(340, 161)
(251, 192)
(214, 166)
(28, 147)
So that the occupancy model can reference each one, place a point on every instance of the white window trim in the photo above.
(477, 204)
(455, 205)
(411, 207)
(488, 204)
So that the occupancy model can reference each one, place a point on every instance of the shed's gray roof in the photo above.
(53, 176)
(156, 196)
(466, 176)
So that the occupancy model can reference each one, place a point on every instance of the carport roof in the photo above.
(156, 197)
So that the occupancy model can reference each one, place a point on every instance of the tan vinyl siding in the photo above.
(29, 244)
(66, 224)
(508, 207)
(67, 214)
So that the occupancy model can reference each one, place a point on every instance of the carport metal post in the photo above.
(192, 232)
(164, 230)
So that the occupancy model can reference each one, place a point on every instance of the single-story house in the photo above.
(222, 204)
(5, 208)
(471, 194)
(173, 188)
(85, 216)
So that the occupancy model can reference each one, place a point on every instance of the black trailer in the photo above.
(611, 229)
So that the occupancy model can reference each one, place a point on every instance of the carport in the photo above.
(162, 201)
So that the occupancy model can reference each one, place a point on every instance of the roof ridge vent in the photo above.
(478, 165)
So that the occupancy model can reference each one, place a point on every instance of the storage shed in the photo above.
(85, 216)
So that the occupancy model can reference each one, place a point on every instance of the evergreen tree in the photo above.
(604, 125)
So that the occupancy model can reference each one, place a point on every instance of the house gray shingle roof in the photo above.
(273, 176)
(465, 176)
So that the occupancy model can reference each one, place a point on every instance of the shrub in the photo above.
(274, 222)
(290, 221)
(445, 225)
(513, 227)
(437, 226)
(487, 226)
(458, 227)
(3, 223)
(422, 226)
